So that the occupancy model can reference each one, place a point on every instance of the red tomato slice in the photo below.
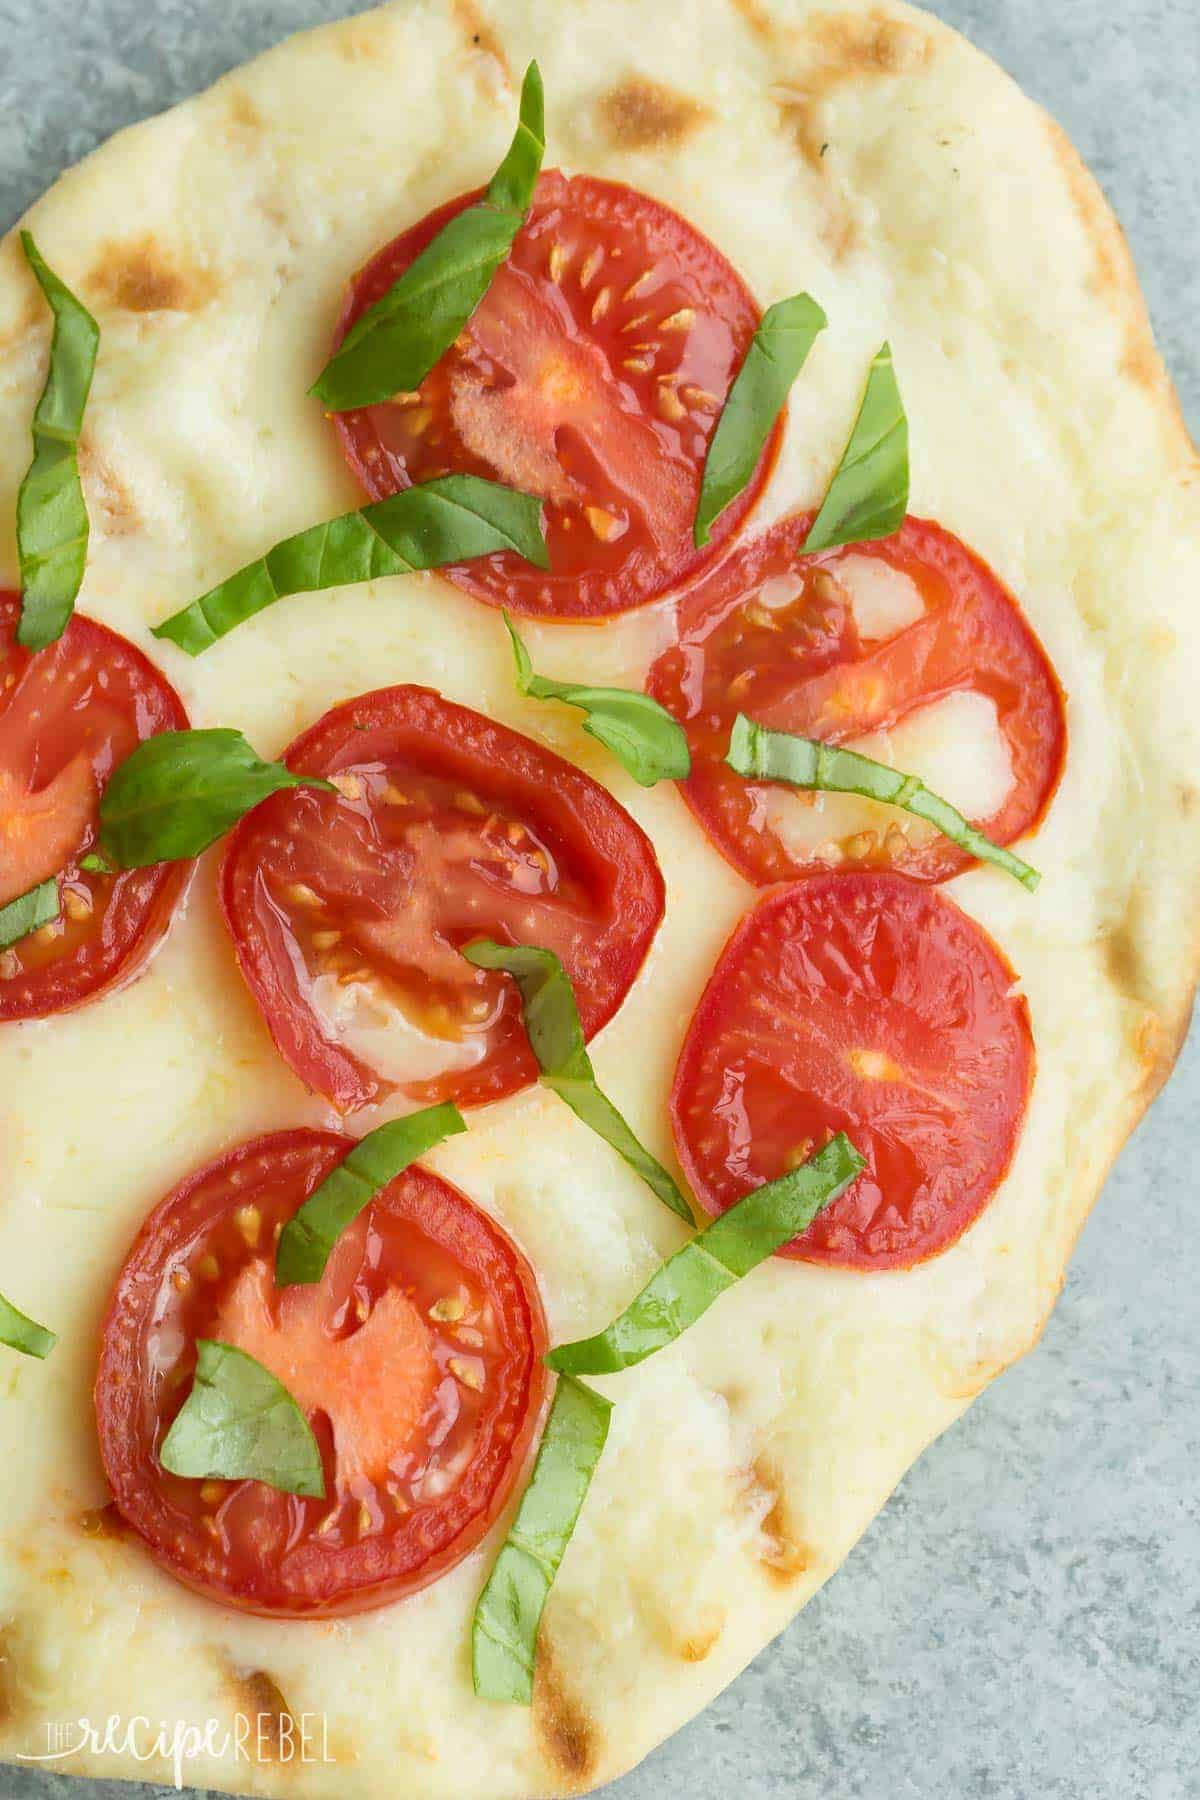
(417, 1359)
(68, 715)
(348, 913)
(869, 1004)
(593, 374)
(773, 634)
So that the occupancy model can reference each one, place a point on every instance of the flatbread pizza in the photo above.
(597, 839)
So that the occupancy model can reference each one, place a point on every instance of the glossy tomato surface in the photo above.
(349, 911)
(69, 715)
(869, 1004)
(775, 635)
(417, 1360)
(592, 374)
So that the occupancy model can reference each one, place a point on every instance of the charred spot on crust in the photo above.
(478, 33)
(836, 49)
(755, 13)
(140, 275)
(258, 1696)
(111, 506)
(784, 1554)
(565, 1732)
(639, 114)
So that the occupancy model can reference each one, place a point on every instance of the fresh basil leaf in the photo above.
(641, 734)
(685, 1286)
(556, 1039)
(764, 755)
(308, 1237)
(868, 496)
(392, 348)
(505, 1630)
(785, 335)
(52, 520)
(177, 793)
(449, 520)
(240, 1424)
(21, 1333)
(36, 907)
(97, 865)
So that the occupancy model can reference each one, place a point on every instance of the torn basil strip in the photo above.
(177, 793)
(393, 346)
(52, 520)
(450, 520)
(765, 755)
(36, 907)
(308, 1237)
(556, 1039)
(786, 333)
(868, 496)
(509, 1611)
(240, 1424)
(685, 1286)
(23, 1334)
(641, 734)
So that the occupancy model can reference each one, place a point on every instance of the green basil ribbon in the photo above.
(36, 907)
(21, 1333)
(392, 348)
(641, 734)
(240, 1424)
(556, 1039)
(685, 1286)
(785, 335)
(868, 496)
(452, 519)
(52, 520)
(308, 1237)
(765, 755)
(509, 1610)
(180, 791)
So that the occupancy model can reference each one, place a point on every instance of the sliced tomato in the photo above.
(592, 373)
(852, 644)
(417, 1359)
(349, 911)
(869, 1004)
(69, 714)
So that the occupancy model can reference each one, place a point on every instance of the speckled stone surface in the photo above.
(1023, 1621)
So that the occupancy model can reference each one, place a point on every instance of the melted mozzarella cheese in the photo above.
(884, 599)
(375, 1030)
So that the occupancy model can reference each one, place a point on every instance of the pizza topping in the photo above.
(556, 1039)
(52, 520)
(392, 347)
(865, 1003)
(591, 374)
(179, 792)
(686, 1285)
(451, 519)
(414, 1363)
(446, 825)
(908, 651)
(21, 1333)
(308, 1238)
(240, 1424)
(642, 735)
(505, 1631)
(868, 496)
(805, 763)
(29, 912)
(785, 335)
(69, 714)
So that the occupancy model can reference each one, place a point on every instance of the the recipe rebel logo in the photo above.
(265, 1737)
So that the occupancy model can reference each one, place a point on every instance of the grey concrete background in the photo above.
(1023, 1621)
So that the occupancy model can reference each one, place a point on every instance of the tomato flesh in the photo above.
(69, 714)
(870, 1004)
(592, 374)
(349, 912)
(417, 1359)
(774, 634)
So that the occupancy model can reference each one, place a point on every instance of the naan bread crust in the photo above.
(861, 150)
